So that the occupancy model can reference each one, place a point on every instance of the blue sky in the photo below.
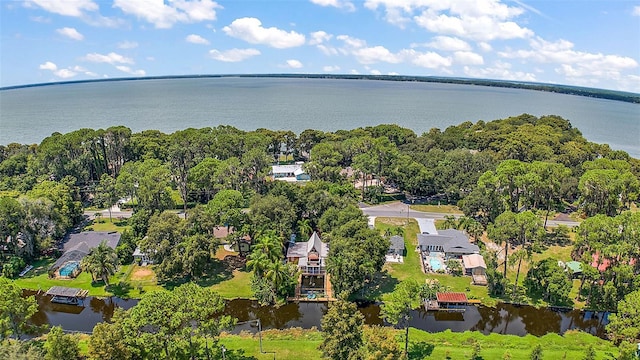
(587, 43)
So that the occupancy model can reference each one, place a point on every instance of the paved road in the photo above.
(399, 209)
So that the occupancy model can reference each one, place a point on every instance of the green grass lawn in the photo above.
(106, 224)
(445, 209)
(38, 279)
(393, 273)
(303, 344)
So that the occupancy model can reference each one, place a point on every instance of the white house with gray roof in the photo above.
(453, 243)
(310, 256)
(291, 173)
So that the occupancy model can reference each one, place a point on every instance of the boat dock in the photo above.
(449, 301)
(65, 295)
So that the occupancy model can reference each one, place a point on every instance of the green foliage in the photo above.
(176, 324)
(454, 267)
(342, 330)
(102, 262)
(625, 324)
(396, 310)
(20, 350)
(536, 353)
(549, 279)
(13, 267)
(380, 344)
(60, 345)
(15, 310)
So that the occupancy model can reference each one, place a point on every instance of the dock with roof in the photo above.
(66, 295)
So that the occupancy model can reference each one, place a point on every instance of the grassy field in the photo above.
(303, 344)
(445, 209)
(106, 224)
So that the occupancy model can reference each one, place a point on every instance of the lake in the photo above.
(503, 319)
(28, 115)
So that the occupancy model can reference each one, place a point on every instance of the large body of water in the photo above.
(503, 319)
(28, 115)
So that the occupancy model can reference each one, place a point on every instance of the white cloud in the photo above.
(127, 44)
(65, 73)
(71, 33)
(429, 60)
(48, 66)
(447, 43)
(330, 68)
(354, 72)
(468, 58)
(340, 4)
(40, 19)
(110, 58)
(485, 46)
(375, 72)
(233, 55)
(128, 70)
(482, 20)
(393, 73)
(372, 55)
(75, 8)
(500, 71)
(196, 39)
(164, 15)
(636, 11)
(327, 50)
(318, 37)
(351, 41)
(293, 64)
(252, 31)
(572, 63)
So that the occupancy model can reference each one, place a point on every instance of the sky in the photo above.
(593, 43)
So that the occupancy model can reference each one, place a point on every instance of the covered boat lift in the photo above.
(65, 295)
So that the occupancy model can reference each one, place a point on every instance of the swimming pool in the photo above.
(435, 263)
(69, 268)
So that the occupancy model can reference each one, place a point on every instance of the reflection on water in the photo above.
(503, 319)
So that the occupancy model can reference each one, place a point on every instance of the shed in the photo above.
(396, 246)
(574, 267)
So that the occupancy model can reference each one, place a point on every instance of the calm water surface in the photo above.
(503, 319)
(28, 115)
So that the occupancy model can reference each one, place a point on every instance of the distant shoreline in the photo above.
(556, 88)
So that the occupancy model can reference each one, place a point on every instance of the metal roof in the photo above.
(397, 243)
(67, 292)
(451, 297)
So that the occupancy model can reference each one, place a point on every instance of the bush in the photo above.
(13, 267)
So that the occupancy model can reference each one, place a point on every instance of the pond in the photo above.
(503, 318)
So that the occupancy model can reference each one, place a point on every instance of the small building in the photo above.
(291, 173)
(141, 258)
(574, 268)
(453, 243)
(396, 246)
(475, 267)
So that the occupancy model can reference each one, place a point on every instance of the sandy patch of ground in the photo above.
(142, 273)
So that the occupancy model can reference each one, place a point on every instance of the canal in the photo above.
(503, 318)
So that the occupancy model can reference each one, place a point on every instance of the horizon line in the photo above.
(529, 85)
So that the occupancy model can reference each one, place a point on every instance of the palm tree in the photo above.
(258, 261)
(517, 257)
(270, 244)
(304, 228)
(450, 222)
(475, 230)
(277, 273)
(102, 261)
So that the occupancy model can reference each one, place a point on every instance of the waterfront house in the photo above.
(291, 173)
(310, 256)
(77, 247)
(452, 243)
